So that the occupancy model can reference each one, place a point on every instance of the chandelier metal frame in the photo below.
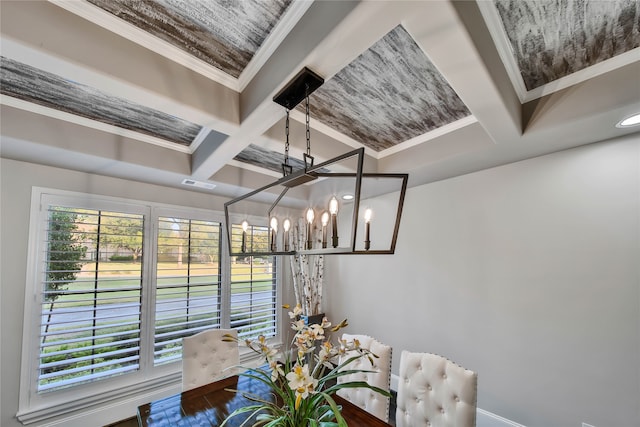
(300, 87)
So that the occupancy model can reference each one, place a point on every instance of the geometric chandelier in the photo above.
(328, 208)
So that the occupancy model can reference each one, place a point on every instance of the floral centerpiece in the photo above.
(305, 381)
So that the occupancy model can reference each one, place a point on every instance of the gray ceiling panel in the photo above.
(224, 34)
(553, 39)
(40, 87)
(268, 159)
(389, 94)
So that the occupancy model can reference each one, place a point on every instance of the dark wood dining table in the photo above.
(210, 404)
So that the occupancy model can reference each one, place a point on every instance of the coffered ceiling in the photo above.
(433, 88)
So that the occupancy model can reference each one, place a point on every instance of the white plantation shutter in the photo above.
(253, 289)
(90, 309)
(114, 287)
(188, 283)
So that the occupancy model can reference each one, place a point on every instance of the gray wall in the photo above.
(526, 273)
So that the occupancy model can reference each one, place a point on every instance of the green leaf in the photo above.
(336, 409)
(251, 408)
(357, 384)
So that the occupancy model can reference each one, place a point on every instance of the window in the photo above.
(188, 293)
(91, 296)
(117, 284)
(253, 291)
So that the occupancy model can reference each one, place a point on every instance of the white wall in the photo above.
(16, 180)
(526, 273)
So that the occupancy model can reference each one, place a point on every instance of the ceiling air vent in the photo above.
(200, 184)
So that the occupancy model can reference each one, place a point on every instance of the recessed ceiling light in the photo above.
(633, 120)
(347, 197)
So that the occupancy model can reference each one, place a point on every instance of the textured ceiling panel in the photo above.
(552, 39)
(223, 33)
(271, 160)
(31, 84)
(389, 94)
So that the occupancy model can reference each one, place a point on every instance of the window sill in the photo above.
(144, 391)
(119, 403)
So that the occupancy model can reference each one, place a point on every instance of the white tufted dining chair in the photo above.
(205, 357)
(433, 391)
(367, 399)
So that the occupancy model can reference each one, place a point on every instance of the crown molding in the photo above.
(114, 24)
(94, 124)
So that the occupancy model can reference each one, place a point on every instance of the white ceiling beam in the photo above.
(586, 112)
(211, 155)
(73, 140)
(258, 111)
(455, 38)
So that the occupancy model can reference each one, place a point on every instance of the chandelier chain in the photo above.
(307, 124)
(286, 145)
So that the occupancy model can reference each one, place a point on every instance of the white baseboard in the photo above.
(489, 419)
(483, 418)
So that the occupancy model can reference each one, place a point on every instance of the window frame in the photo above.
(35, 406)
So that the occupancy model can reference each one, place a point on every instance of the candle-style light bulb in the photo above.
(333, 209)
(333, 205)
(286, 225)
(310, 216)
(325, 221)
(367, 229)
(274, 232)
(245, 227)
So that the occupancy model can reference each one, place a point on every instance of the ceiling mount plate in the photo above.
(303, 84)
